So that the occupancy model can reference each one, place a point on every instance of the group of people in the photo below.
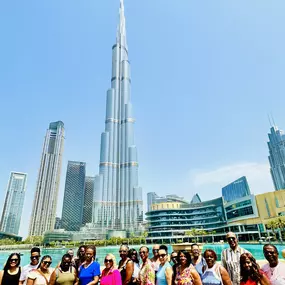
(237, 267)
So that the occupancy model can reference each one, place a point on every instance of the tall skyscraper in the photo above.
(88, 199)
(118, 197)
(235, 190)
(276, 157)
(14, 201)
(73, 200)
(45, 200)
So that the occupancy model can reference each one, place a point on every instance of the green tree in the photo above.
(273, 226)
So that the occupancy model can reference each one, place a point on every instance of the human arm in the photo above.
(196, 277)
(129, 272)
(223, 259)
(168, 275)
(225, 276)
(75, 277)
(30, 281)
(264, 280)
(52, 278)
(1, 276)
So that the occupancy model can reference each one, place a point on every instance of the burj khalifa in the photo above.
(117, 201)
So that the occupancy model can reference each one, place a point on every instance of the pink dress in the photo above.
(113, 277)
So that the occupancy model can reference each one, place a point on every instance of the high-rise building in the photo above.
(45, 200)
(88, 199)
(118, 198)
(73, 200)
(13, 204)
(151, 199)
(57, 224)
(276, 157)
(235, 190)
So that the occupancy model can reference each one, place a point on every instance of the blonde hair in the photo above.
(112, 256)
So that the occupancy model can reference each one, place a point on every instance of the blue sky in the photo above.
(205, 74)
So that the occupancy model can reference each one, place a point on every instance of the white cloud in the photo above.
(210, 182)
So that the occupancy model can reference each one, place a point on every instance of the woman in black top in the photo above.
(12, 270)
(126, 265)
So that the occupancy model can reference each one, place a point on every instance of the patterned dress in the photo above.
(147, 274)
(183, 277)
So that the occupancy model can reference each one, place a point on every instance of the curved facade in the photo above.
(170, 221)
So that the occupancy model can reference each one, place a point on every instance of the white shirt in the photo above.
(25, 271)
(276, 275)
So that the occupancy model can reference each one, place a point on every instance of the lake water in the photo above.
(56, 254)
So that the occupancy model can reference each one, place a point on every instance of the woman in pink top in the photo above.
(110, 275)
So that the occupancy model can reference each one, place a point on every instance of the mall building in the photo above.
(172, 219)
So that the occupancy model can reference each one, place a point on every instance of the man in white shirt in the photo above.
(274, 269)
(35, 259)
(231, 258)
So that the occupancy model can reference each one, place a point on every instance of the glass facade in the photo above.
(46, 194)
(209, 216)
(88, 199)
(276, 146)
(240, 209)
(235, 190)
(73, 201)
(13, 205)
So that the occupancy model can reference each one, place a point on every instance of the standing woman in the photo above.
(133, 255)
(164, 273)
(213, 273)
(89, 271)
(12, 270)
(126, 265)
(186, 273)
(80, 256)
(146, 274)
(42, 274)
(65, 274)
(250, 272)
(110, 275)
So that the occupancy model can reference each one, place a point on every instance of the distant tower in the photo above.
(88, 199)
(276, 157)
(14, 201)
(151, 199)
(118, 198)
(235, 190)
(45, 200)
(73, 201)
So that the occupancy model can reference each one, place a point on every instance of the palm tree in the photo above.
(273, 225)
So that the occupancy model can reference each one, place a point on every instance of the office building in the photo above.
(235, 190)
(57, 224)
(118, 198)
(88, 199)
(13, 203)
(73, 200)
(276, 146)
(46, 195)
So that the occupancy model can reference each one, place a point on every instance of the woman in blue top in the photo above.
(164, 273)
(89, 271)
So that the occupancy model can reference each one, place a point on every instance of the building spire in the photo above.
(122, 23)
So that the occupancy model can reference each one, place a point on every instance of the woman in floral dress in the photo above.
(146, 273)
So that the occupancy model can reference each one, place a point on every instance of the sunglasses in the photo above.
(134, 253)
(14, 260)
(47, 263)
(155, 250)
(122, 251)
(108, 260)
(174, 257)
(142, 252)
(231, 238)
(35, 257)
(162, 255)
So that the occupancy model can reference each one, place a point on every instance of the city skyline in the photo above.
(203, 99)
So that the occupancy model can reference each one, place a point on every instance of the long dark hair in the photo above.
(187, 255)
(131, 252)
(254, 274)
(7, 265)
(43, 258)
